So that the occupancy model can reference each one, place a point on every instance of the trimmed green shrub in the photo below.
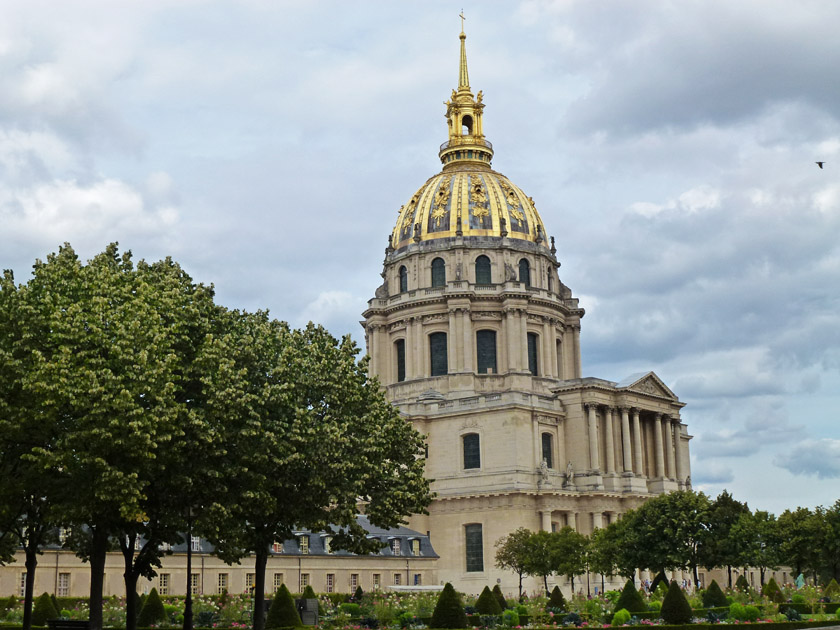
(713, 597)
(497, 593)
(510, 618)
(449, 611)
(358, 594)
(741, 584)
(743, 613)
(832, 590)
(282, 613)
(675, 607)
(556, 603)
(309, 593)
(772, 591)
(620, 617)
(8, 603)
(630, 599)
(43, 609)
(152, 611)
(660, 578)
(487, 604)
(354, 610)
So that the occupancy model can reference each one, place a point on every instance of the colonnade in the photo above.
(636, 446)
(583, 521)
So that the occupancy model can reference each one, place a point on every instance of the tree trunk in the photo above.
(761, 575)
(259, 588)
(98, 554)
(130, 581)
(520, 588)
(188, 611)
(573, 586)
(729, 571)
(695, 577)
(31, 563)
(545, 582)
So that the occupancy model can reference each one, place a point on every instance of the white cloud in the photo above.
(820, 458)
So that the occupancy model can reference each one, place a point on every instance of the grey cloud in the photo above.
(819, 458)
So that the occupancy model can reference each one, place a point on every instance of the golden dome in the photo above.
(467, 198)
(468, 202)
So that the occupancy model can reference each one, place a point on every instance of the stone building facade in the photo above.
(476, 339)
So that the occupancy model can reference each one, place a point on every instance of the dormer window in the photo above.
(303, 544)
(395, 546)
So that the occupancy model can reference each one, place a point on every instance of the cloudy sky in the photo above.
(670, 148)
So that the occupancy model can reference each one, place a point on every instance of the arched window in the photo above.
(559, 349)
(533, 341)
(438, 272)
(466, 126)
(472, 451)
(403, 279)
(485, 349)
(482, 270)
(437, 354)
(399, 351)
(525, 272)
(547, 450)
(550, 285)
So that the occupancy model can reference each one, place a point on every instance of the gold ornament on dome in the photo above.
(441, 200)
(408, 217)
(478, 198)
(513, 202)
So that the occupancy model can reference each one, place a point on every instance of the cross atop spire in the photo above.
(463, 75)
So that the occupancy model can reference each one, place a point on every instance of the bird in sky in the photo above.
(820, 164)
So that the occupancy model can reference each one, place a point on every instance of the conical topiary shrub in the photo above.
(487, 604)
(282, 613)
(449, 611)
(309, 593)
(741, 584)
(660, 578)
(675, 607)
(630, 599)
(556, 603)
(832, 590)
(497, 592)
(772, 591)
(152, 611)
(713, 597)
(358, 595)
(42, 610)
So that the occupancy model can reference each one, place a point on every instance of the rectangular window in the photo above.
(418, 580)
(22, 589)
(278, 581)
(485, 350)
(222, 583)
(277, 547)
(438, 354)
(397, 579)
(354, 580)
(532, 353)
(396, 547)
(195, 543)
(64, 585)
(399, 348)
(303, 543)
(250, 582)
(472, 451)
(330, 582)
(547, 450)
(195, 583)
(327, 544)
(415, 547)
(163, 584)
(474, 547)
(304, 582)
(377, 580)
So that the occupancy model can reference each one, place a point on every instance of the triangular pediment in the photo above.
(648, 383)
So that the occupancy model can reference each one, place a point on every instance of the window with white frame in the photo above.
(304, 581)
(415, 547)
(303, 544)
(222, 583)
(377, 580)
(327, 544)
(397, 579)
(330, 582)
(354, 580)
(278, 581)
(195, 543)
(277, 547)
(63, 585)
(163, 584)
(396, 546)
(22, 589)
(195, 583)
(250, 582)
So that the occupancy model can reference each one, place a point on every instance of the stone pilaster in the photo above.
(659, 447)
(627, 459)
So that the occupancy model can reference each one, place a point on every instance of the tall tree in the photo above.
(830, 542)
(308, 436)
(540, 556)
(569, 553)
(757, 535)
(718, 548)
(512, 553)
(799, 529)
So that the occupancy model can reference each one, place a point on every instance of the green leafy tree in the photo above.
(487, 604)
(308, 435)
(449, 611)
(758, 534)
(830, 547)
(675, 607)
(153, 611)
(799, 530)
(512, 552)
(44, 609)
(569, 551)
(630, 599)
(282, 613)
(718, 548)
(539, 557)
(612, 549)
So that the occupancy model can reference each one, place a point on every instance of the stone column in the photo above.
(466, 324)
(568, 353)
(522, 318)
(372, 348)
(546, 520)
(452, 346)
(625, 440)
(547, 360)
(509, 329)
(669, 447)
(576, 337)
(678, 452)
(594, 460)
(637, 444)
(609, 445)
(597, 520)
(658, 450)
(425, 351)
(571, 520)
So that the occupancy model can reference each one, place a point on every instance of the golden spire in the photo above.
(463, 75)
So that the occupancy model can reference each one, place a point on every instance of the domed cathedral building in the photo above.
(476, 339)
